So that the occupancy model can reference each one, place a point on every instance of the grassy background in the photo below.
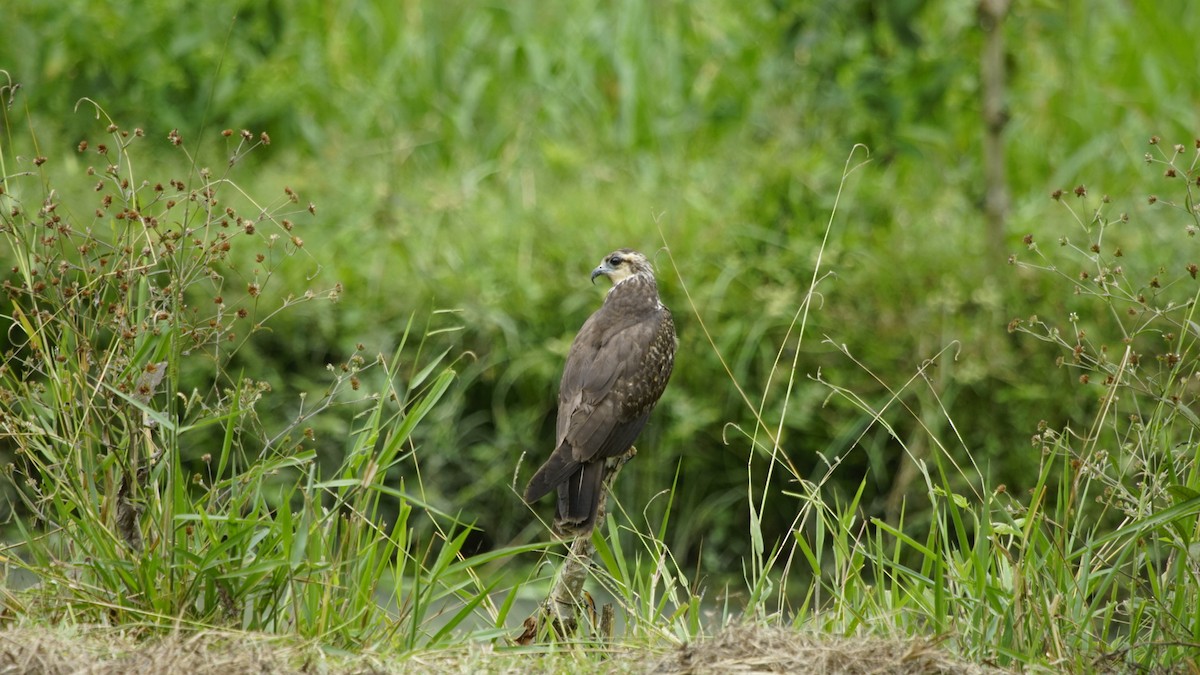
(480, 158)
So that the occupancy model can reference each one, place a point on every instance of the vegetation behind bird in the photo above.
(509, 140)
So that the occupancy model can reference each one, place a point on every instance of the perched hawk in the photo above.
(618, 366)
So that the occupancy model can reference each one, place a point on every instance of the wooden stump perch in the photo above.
(567, 599)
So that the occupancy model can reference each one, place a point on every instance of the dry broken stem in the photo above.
(567, 598)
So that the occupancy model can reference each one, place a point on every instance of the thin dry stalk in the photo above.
(567, 599)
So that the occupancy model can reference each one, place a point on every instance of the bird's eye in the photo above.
(615, 260)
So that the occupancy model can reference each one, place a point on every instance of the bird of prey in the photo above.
(616, 370)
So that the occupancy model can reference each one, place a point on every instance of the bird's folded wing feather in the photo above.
(591, 418)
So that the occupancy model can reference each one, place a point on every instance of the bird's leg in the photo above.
(567, 597)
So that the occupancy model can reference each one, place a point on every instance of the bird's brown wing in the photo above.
(595, 418)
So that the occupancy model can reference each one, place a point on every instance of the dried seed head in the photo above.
(1080, 191)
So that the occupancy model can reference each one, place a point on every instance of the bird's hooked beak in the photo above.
(602, 270)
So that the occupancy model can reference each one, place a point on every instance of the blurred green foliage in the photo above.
(482, 157)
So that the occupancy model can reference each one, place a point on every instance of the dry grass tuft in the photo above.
(104, 651)
(755, 649)
(85, 650)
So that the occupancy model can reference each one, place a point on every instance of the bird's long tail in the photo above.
(579, 498)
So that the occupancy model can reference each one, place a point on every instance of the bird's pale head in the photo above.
(622, 264)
